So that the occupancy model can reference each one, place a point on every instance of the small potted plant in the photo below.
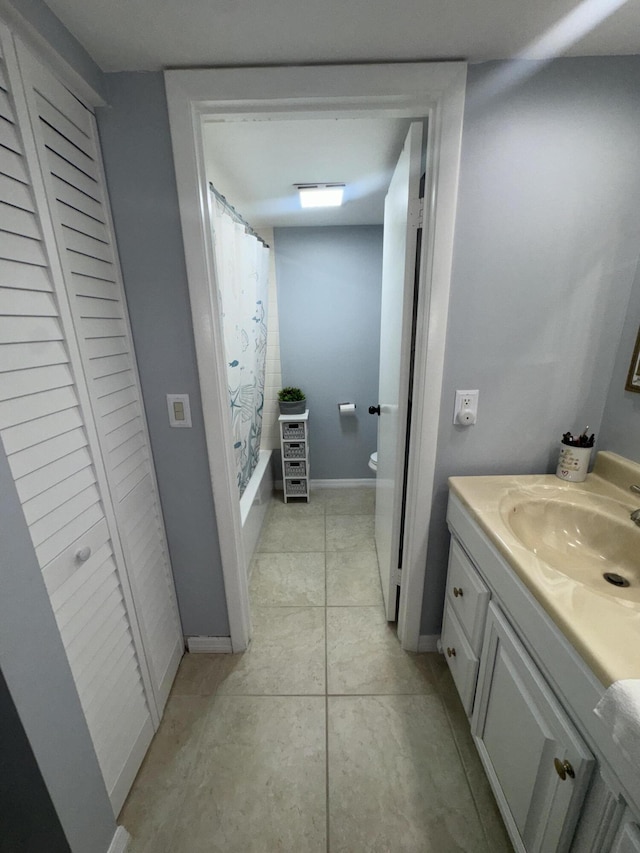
(292, 401)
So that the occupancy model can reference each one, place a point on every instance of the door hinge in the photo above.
(398, 577)
(420, 212)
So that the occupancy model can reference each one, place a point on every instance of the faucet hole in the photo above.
(616, 580)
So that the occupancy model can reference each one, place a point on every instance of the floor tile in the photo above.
(295, 508)
(394, 782)
(350, 533)
(364, 655)
(156, 798)
(353, 578)
(282, 534)
(286, 655)
(260, 782)
(288, 579)
(349, 501)
(150, 816)
(201, 674)
(486, 805)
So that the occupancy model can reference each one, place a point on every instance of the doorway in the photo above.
(434, 92)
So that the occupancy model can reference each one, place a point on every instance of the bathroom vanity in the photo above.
(534, 635)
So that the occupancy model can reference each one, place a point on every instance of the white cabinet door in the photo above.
(628, 841)
(526, 743)
(70, 158)
(50, 442)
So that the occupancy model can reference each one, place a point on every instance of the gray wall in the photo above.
(621, 423)
(134, 131)
(36, 671)
(546, 247)
(329, 283)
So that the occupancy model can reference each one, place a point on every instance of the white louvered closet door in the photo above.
(48, 441)
(66, 136)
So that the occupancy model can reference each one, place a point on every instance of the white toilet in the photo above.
(373, 461)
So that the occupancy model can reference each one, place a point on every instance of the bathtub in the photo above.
(254, 504)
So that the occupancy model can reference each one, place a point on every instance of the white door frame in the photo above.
(414, 90)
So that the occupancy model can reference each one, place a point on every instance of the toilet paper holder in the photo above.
(347, 408)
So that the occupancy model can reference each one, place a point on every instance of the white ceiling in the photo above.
(136, 35)
(255, 164)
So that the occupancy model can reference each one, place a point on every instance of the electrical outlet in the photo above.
(465, 411)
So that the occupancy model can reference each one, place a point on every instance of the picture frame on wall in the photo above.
(633, 378)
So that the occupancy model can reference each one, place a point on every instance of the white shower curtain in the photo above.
(242, 269)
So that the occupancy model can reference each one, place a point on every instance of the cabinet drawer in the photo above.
(467, 595)
(463, 663)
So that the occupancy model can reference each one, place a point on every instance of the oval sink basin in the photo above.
(583, 538)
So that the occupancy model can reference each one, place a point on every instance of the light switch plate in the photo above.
(179, 410)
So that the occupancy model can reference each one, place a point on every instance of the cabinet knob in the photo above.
(451, 652)
(457, 591)
(564, 769)
(83, 554)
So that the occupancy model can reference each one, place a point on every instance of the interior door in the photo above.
(401, 222)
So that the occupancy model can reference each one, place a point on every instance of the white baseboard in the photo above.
(428, 642)
(120, 841)
(364, 483)
(210, 645)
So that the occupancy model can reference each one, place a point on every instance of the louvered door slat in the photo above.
(13, 165)
(86, 245)
(26, 250)
(52, 473)
(8, 136)
(62, 585)
(107, 385)
(5, 108)
(20, 383)
(43, 427)
(15, 193)
(16, 329)
(97, 287)
(29, 434)
(68, 488)
(70, 217)
(54, 118)
(14, 220)
(73, 198)
(26, 302)
(56, 141)
(36, 406)
(16, 275)
(22, 356)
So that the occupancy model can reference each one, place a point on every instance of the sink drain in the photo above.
(616, 580)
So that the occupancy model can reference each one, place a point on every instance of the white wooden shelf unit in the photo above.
(294, 446)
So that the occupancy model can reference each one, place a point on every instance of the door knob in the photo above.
(564, 769)
(83, 554)
(375, 410)
(451, 652)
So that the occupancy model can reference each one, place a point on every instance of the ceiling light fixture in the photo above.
(320, 195)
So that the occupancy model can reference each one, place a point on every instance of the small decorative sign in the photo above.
(633, 378)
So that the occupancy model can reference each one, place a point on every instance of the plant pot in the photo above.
(297, 407)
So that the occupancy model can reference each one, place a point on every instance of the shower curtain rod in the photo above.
(235, 215)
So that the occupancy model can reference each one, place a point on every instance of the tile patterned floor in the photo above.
(325, 735)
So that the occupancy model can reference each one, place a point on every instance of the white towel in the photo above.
(619, 709)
